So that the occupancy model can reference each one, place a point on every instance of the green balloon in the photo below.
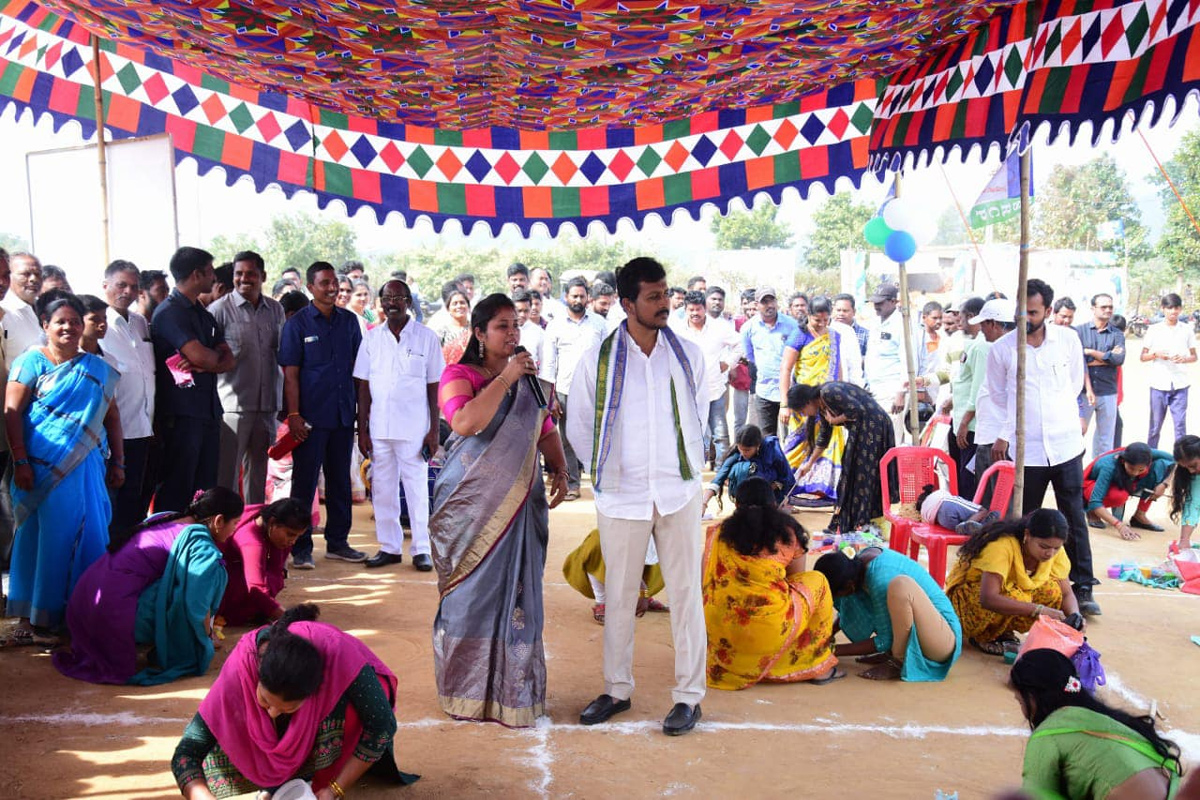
(877, 232)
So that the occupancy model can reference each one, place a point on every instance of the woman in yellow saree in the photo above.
(767, 619)
(812, 357)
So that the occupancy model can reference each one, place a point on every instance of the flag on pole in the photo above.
(1111, 230)
(1000, 200)
(891, 195)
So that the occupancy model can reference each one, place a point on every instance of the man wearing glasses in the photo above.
(397, 370)
(1103, 353)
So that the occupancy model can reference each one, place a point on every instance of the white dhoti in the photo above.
(394, 461)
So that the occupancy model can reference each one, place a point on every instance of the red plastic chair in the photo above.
(937, 539)
(916, 467)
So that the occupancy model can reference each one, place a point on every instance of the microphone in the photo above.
(534, 384)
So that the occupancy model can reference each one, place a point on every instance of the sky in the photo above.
(207, 207)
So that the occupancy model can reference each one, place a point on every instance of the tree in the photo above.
(1180, 242)
(292, 240)
(839, 226)
(751, 230)
(1077, 199)
(12, 243)
(950, 228)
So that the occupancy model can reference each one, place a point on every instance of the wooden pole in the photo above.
(101, 156)
(1022, 278)
(914, 417)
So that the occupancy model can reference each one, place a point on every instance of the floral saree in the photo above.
(763, 624)
(816, 363)
(489, 531)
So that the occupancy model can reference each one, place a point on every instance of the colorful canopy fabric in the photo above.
(530, 111)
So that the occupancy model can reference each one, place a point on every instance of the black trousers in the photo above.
(189, 464)
(768, 415)
(1067, 480)
(967, 480)
(328, 448)
(128, 505)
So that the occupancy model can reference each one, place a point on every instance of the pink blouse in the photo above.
(462, 372)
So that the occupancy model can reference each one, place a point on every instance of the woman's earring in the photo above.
(482, 349)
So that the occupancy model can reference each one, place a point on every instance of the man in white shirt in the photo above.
(975, 411)
(1168, 346)
(568, 337)
(128, 343)
(397, 370)
(885, 365)
(541, 279)
(648, 389)
(533, 338)
(722, 347)
(21, 325)
(252, 392)
(6, 465)
(1053, 441)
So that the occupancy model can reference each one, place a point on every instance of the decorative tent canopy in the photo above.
(562, 112)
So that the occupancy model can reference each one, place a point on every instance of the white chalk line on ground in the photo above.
(90, 720)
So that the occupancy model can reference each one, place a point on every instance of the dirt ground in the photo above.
(853, 738)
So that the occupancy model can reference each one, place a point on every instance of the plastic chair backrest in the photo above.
(916, 467)
(1005, 475)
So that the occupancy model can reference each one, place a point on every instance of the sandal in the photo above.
(655, 605)
(993, 648)
(643, 605)
(834, 674)
(598, 613)
(18, 637)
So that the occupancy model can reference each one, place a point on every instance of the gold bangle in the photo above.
(338, 790)
(507, 385)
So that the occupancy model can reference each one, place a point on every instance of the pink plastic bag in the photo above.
(1051, 634)
(182, 377)
(1189, 573)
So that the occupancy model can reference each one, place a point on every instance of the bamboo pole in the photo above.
(914, 417)
(1022, 278)
(101, 156)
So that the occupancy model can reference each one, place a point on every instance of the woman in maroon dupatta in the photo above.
(296, 699)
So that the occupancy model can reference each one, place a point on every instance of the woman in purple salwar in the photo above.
(161, 588)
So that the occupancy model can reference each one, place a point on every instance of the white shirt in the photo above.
(848, 353)
(718, 342)
(533, 339)
(884, 364)
(646, 448)
(552, 308)
(566, 342)
(1174, 340)
(399, 372)
(616, 315)
(128, 343)
(21, 326)
(1053, 379)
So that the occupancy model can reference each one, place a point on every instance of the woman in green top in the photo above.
(1081, 748)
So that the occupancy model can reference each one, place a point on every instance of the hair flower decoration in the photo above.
(1073, 685)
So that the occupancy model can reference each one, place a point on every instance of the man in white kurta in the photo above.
(397, 371)
(650, 388)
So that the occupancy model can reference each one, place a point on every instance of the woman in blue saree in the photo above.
(490, 526)
(61, 421)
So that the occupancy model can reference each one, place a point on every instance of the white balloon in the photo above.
(902, 215)
(925, 230)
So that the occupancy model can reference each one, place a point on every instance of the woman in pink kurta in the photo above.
(256, 560)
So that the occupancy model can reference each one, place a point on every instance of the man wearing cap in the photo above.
(763, 339)
(1053, 442)
(886, 362)
(994, 320)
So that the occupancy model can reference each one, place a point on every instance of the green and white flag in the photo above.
(1000, 200)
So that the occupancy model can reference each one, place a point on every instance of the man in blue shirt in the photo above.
(317, 354)
(1103, 353)
(763, 339)
(189, 411)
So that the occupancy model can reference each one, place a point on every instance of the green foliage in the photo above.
(1077, 199)
(951, 229)
(839, 226)
(13, 243)
(293, 240)
(1179, 246)
(751, 230)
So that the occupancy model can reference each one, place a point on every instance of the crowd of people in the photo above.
(229, 411)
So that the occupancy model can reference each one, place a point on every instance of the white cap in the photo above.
(1002, 309)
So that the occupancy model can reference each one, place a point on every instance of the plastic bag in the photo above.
(1189, 571)
(1052, 634)
(1087, 664)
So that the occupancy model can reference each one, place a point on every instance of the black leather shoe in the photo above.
(602, 709)
(681, 719)
(382, 559)
(1087, 605)
(1146, 526)
(423, 562)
